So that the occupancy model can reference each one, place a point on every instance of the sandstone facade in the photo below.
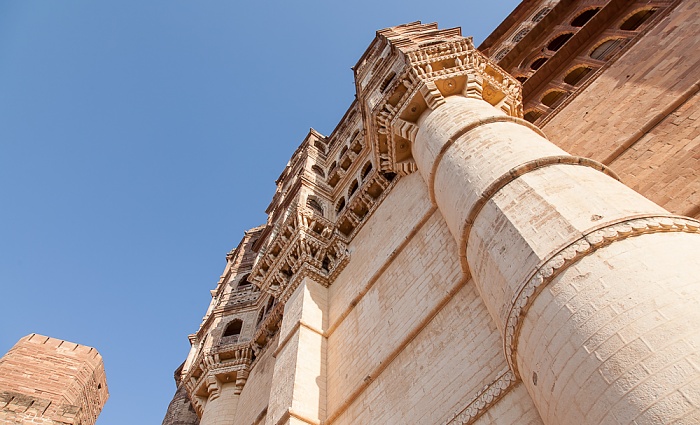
(439, 259)
(49, 381)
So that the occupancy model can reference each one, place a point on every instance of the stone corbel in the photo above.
(213, 387)
(431, 94)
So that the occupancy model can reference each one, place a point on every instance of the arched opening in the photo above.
(340, 205)
(558, 41)
(261, 316)
(318, 170)
(353, 188)
(270, 304)
(637, 19)
(233, 329)
(314, 205)
(553, 98)
(386, 82)
(537, 63)
(244, 283)
(606, 49)
(532, 115)
(577, 75)
(366, 170)
(584, 17)
(333, 165)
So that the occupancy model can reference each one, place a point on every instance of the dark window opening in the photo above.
(559, 41)
(584, 17)
(537, 63)
(389, 176)
(314, 205)
(636, 20)
(233, 328)
(531, 116)
(606, 49)
(577, 75)
(553, 98)
(522, 79)
(318, 170)
(366, 169)
(353, 188)
(340, 206)
(244, 283)
(387, 82)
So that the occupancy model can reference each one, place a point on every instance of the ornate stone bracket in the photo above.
(303, 241)
(568, 255)
(427, 73)
(228, 363)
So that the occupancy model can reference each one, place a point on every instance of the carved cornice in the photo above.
(486, 398)
(304, 241)
(591, 241)
(417, 77)
(203, 380)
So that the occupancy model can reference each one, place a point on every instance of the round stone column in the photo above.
(222, 405)
(595, 289)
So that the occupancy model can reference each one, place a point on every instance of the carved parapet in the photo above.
(304, 242)
(412, 68)
(217, 365)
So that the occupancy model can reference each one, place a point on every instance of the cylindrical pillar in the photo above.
(221, 406)
(595, 289)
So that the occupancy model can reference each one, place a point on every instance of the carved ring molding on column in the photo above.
(590, 242)
(508, 177)
(486, 398)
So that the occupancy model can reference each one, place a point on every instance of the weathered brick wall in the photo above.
(650, 88)
(180, 410)
(45, 379)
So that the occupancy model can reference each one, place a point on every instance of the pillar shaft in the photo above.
(221, 406)
(299, 378)
(567, 260)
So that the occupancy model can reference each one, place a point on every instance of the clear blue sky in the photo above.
(139, 139)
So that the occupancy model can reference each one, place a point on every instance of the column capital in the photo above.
(412, 68)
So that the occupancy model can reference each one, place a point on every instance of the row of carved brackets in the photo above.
(430, 75)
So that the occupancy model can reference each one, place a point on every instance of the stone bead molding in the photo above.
(591, 241)
(486, 398)
(419, 77)
(304, 240)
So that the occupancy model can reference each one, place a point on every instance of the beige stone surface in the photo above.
(437, 260)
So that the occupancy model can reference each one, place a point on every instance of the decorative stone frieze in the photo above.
(304, 242)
